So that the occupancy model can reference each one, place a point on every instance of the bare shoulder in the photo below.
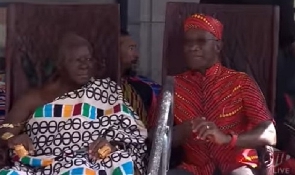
(38, 96)
(23, 107)
(31, 97)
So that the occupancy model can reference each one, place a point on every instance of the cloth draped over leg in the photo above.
(71, 122)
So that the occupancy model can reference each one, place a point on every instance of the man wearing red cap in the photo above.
(220, 114)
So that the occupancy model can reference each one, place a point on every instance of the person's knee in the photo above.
(243, 171)
(178, 172)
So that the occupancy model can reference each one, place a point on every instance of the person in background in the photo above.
(139, 91)
(220, 114)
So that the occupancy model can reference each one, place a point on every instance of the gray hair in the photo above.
(69, 42)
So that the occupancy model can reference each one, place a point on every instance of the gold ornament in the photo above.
(20, 151)
(7, 136)
(104, 151)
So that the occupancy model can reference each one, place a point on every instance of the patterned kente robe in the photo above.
(142, 94)
(74, 120)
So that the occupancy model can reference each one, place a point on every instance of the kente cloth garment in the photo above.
(142, 94)
(62, 128)
(156, 88)
(230, 99)
(207, 23)
(134, 99)
(155, 92)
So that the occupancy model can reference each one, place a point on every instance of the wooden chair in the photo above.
(250, 45)
(33, 35)
(287, 129)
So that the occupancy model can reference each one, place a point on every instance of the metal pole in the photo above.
(160, 152)
(123, 13)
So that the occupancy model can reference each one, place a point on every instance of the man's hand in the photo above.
(206, 130)
(181, 133)
(95, 146)
(22, 139)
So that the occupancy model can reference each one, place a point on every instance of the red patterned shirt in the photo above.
(230, 99)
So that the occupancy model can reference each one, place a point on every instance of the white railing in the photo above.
(161, 146)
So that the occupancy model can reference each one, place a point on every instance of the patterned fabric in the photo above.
(61, 129)
(155, 86)
(230, 99)
(207, 23)
(136, 100)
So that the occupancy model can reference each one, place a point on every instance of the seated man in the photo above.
(74, 124)
(220, 114)
(139, 91)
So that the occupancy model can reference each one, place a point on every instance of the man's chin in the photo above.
(83, 80)
(130, 72)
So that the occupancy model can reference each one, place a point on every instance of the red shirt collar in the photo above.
(212, 71)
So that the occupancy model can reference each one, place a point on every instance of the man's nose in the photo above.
(195, 47)
(136, 54)
(84, 64)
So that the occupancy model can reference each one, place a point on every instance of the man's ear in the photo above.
(218, 46)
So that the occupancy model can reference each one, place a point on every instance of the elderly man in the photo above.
(70, 127)
(220, 114)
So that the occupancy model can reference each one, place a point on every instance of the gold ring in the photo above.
(104, 151)
(20, 151)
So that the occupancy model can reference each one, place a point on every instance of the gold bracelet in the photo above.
(7, 135)
(10, 125)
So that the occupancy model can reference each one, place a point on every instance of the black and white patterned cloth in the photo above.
(76, 119)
